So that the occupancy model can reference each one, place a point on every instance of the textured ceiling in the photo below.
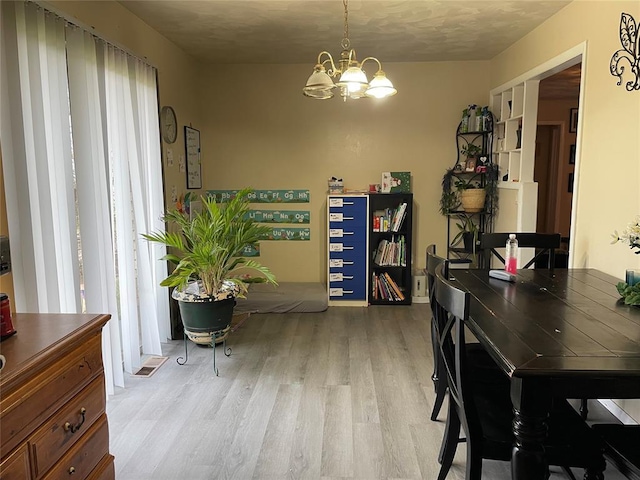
(295, 31)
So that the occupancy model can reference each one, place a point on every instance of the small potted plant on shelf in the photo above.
(472, 152)
(210, 271)
(471, 194)
(468, 234)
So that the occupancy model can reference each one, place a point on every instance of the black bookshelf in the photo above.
(390, 249)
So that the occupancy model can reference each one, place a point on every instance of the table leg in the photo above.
(531, 409)
(528, 461)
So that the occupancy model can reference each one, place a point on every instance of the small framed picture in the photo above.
(572, 154)
(570, 183)
(470, 165)
(573, 120)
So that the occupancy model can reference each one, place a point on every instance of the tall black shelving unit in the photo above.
(398, 269)
(462, 249)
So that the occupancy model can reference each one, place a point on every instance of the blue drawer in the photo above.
(353, 211)
(342, 232)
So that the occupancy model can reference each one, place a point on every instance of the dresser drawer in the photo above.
(85, 455)
(16, 467)
(51, 440)
(27, 407)
(105, 470)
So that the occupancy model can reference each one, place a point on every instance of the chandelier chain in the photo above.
(346, 20)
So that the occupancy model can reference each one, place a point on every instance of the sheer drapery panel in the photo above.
(66, 88)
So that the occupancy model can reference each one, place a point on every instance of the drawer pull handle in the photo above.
(72, 470)
(74, 428)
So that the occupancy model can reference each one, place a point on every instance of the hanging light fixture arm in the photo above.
(374, 59)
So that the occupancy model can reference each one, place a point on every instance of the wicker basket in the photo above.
(472, 199)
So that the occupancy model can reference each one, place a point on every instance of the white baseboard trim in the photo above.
(619, 413)
(419, 299)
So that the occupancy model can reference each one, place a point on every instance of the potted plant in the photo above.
(467, 234)
(210, 271)
(472, 153)
(472, 196)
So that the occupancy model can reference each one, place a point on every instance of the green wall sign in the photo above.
(251, 250)
(279, 216)
(289, 234)
(264, 196)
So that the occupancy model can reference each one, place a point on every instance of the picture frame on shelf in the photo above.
(572, 154)
(573, 120)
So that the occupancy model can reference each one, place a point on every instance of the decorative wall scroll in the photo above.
(628, 54)
(280, 216)
(264, 196)
(278, 233)
(192, 148)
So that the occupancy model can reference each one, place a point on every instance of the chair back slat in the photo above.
(542, 242)
(433, 261)
(452, 311)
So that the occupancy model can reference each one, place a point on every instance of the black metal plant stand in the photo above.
(214, 336)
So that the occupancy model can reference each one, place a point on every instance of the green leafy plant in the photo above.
(466, 226)
(630, 293)
(462, 184)
(471, 150)
(208, 245)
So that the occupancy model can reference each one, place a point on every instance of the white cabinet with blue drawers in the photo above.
(348, 247)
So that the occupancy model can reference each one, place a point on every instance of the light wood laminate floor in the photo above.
(343, 394)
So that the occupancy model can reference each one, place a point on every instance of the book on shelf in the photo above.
(394, 285)
(385, 288)
(391, 253)
(390, 219)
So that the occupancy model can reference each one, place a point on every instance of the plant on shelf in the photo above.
(210, 271)
(458, 187)
(471, 150)
(468, 234)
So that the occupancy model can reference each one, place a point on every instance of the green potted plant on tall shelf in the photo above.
(210, 272)
(471, 194)
(472, 152)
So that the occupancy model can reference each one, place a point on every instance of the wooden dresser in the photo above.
(52, 400)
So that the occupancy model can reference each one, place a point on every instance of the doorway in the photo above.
(555, 154)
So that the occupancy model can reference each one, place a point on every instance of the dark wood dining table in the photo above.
(555, 333)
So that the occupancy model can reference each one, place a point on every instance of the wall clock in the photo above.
(168, 124)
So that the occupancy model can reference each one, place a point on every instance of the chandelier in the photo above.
(352, 80)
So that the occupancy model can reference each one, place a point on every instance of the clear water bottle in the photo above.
(511, 254)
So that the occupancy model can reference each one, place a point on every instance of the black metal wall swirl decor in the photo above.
(630, 52)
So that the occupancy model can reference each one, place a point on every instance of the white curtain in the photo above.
(94, 209)
(36, 152)
(113, 123)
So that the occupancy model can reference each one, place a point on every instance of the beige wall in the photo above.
(260, 131)
(608, 141)
(607, 184)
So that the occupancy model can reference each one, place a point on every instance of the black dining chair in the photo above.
(474, 350)
(480, 403)
(544, 243)
(622, 447)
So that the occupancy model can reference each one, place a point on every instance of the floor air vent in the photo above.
(149, 366)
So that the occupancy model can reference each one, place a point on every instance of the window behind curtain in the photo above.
(80, 201)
